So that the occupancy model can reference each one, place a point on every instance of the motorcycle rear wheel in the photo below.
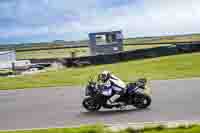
(142, 101)
(90, 104)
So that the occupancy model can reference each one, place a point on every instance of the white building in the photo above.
(6, 59)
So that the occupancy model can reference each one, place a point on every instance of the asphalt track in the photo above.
(55, 107)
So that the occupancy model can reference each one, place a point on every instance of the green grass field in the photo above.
(66, 52)
(4, 71)
(101, 129)
(163, 39)
(169, 67)
(127, 41)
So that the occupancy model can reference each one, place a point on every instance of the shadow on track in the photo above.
(113, 112)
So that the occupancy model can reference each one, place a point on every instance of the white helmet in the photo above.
(104, 76)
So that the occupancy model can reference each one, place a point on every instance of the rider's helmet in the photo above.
(104, 76)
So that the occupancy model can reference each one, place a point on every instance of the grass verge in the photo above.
(5, 72)
(169, 67)
(101, 129)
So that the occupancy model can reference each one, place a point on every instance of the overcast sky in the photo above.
(47, 20)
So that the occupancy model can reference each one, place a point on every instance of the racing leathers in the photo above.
(113, 87)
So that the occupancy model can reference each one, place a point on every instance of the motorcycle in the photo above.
(137, 94)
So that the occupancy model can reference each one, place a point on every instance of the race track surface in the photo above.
(55, 107)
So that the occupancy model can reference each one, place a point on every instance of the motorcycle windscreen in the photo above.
(87, 92)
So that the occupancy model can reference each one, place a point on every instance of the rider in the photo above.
(113, 85)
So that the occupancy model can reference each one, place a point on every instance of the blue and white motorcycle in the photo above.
(137, 94)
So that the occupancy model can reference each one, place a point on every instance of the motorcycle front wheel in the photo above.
(90, 104)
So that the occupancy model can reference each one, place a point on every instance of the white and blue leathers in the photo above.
(113, 84)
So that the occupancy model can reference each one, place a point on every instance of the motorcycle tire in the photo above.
(90, 105)
(142, 101)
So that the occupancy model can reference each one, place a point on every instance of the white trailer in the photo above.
(6, 59)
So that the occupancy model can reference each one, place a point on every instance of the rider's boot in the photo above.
(115, 102)
(109, 106)
(114, 98)
(116, 105)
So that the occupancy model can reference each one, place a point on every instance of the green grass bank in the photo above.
(169, 67)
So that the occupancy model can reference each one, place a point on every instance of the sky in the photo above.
(47, 20)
